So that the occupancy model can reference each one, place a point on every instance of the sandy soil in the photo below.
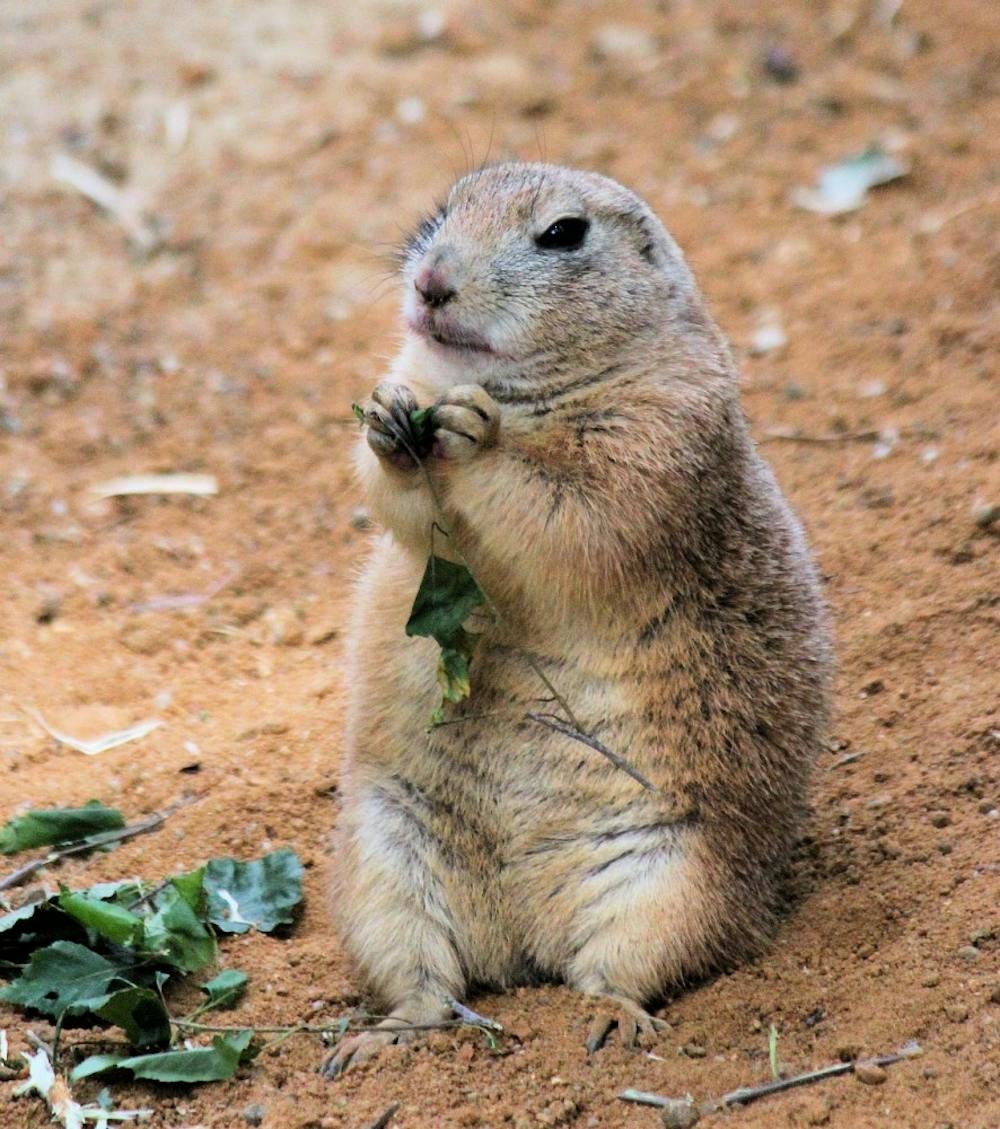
(281, 148)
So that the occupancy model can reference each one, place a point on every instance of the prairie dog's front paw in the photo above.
(387, 418)
(466, 421)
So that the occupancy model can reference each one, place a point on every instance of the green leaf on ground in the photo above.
(140, 1013)
(106, 918)
(202, 1064)
(176, 935)
(191, 887)
(225, 989)
(61, 976)
(124, 892)
(260, 894)
(16, 916)
(52, 826)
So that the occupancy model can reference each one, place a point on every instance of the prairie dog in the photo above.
(593, 466)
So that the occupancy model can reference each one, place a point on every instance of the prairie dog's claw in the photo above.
(466, 421)
(635, 1025)
(387, 416)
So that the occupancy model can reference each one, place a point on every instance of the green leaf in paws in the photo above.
(201, 1064)
(453, 672)
(225, 989)
(359, 412)
(447, 595)
(253, 895)
(422, 429)
(57, 825)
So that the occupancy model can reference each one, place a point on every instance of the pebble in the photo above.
(957, 1013)
(694, 1050)
(780, 64)
(931, 980)
(253, 1114)
(870, 1074)
(985, 514)
(969, 953)
(623, 42)
(679, 1114)
(940, 819)
(995, 994)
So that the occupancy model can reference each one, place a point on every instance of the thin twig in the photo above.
(775, 435)
(38, 1042)
(102, 839)
(384, 1118)
(746, 1094)
(592, 743)
(473, 1018)
(843, 437)
(143, 230)
(326, 1029)
(149, 895)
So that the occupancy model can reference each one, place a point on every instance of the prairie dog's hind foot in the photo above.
(404, 1025)
(636, 1027)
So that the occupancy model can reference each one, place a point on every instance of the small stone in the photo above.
(623, 42)
(982, 933)
(985, 514)
(940, 819)
(957, 1013)
(931, 980)
(995, 994)
(781, 65)
(680, 1113)
(969, 953)
(694, 1050)
(869, 1073)
(253, 1114)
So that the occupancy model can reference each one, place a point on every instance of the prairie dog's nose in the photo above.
(433, 286)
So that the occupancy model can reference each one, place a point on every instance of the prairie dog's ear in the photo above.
(650, 237)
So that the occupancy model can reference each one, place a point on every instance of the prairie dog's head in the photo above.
(529, 268)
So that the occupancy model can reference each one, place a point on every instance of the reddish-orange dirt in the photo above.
(282, 149)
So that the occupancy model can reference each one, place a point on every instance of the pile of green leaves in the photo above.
(105, 954)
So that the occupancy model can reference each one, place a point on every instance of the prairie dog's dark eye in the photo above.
(565, 234)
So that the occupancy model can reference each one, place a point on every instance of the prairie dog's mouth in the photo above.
(448, 336)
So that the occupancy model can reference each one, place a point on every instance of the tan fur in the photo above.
(596, 471)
